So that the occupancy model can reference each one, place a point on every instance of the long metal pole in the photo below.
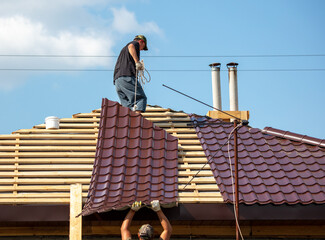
(236, 179)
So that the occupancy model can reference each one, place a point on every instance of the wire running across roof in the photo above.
(135, 161)
(271, 169)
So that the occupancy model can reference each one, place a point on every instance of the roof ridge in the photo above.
(294, 136)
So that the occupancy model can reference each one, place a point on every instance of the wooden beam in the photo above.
(191, 148)
(75, 232)
(192, 160)
(47, 160)
(49, 136)
(56, 131)
(55, 167)
(244, 115)
(56, 142)
(11, 201)
(53, 181)
(164, 119)
(164, 114)
(71, 125)
(192, 141)
(46, 174)
(39, 188)
(191, 154)
(86, 115)
(48, 154)
(79, 120)
(48, 148)
(192, 166)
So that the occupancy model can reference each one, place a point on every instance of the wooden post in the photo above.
(75, 209)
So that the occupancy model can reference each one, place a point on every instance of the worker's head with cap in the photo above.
(145, 232)
(142, 41)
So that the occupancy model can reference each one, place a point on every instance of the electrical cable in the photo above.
(142, 79)
(159, 70)
(208, 161)
(232, 180)
(166, 56)
(231, 173)
(201, 102)
(205, 164)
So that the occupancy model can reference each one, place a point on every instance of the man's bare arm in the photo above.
(167, 232)
(125, 228)
(133, 52)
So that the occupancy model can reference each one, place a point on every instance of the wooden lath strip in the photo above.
(182, 136)
(156, 109)
(49, 142)
(52, 181)
(191, 148)
(47, 154)
(40, 188)
(56, 131)
(199, 187)
(48, 148)
(164, 119)
(192, 160)
(193, 166)
(47, 160)
(63, 188)
(203, 173)
(93, 119)
(86, 115)
(50, 136)
(189, 142)
(201, 180)
(60, 181)
(54, 167)
(217, 199)
(46, 174)
(40, 195)
(164, 114)
(67, 154)
(70, 126)
(84, 194)
(35, 200)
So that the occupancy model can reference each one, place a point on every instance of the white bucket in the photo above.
(52, 122)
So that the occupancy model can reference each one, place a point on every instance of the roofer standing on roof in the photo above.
(146, 231)
(127, 65)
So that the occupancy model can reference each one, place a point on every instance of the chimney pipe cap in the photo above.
(215, 64)
(232, 64)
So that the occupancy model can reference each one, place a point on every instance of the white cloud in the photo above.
(19, 35)
(61, 28)
(126, 22)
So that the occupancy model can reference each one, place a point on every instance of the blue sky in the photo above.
(203, 32)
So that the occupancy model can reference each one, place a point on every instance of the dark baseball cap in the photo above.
(144, 39)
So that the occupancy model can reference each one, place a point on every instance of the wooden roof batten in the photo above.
(38, 165)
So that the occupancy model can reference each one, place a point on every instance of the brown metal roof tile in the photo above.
(294, 136)
(135, 160)
(274, 166)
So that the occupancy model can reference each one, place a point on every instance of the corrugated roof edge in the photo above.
(294, 136)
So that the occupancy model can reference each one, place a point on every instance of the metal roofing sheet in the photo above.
(135, 160)
(271, 169)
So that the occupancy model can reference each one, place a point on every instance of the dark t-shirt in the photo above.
(125, 65)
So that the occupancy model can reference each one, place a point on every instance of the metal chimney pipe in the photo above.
(233, 86)
(216, 89)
